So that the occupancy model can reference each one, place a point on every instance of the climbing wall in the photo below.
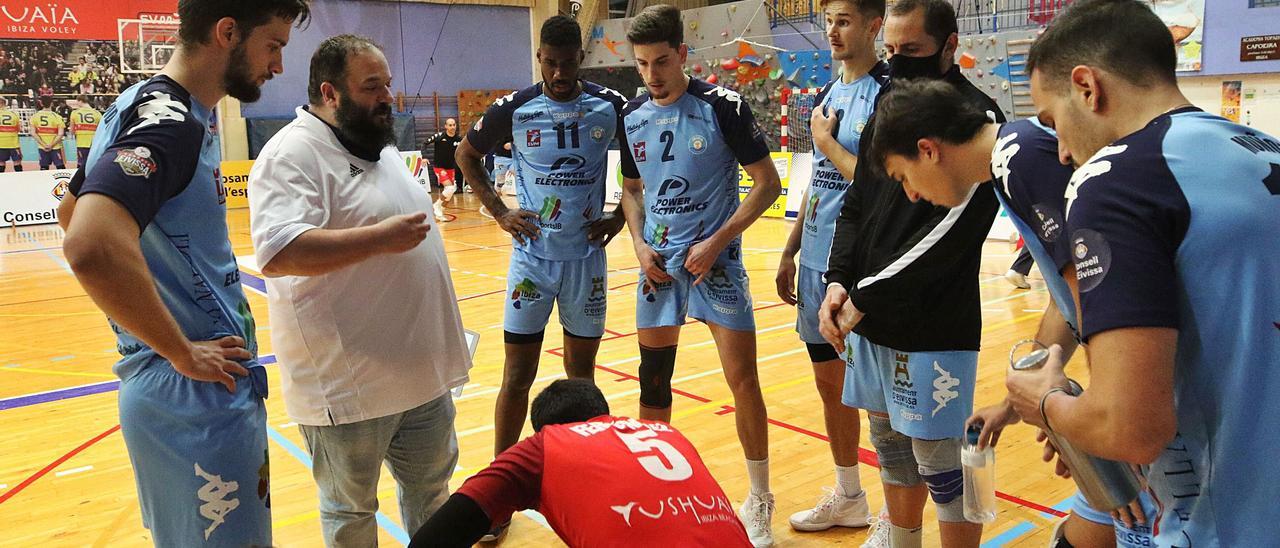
(472, 103)
(996, 63)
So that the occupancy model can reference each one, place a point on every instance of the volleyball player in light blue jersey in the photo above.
(841, 112)
(559, 131)
(686, 140)
(1173, 222)
(147, 238)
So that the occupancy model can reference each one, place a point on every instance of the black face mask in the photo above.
(902, 67)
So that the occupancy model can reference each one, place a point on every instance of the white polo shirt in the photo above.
(372, 339)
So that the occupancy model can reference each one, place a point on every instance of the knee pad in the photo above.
(897, 462)
(824, 352)
(940, 467)
(656, 367)
(523, 338)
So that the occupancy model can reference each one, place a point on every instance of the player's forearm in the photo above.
(633, 210)
(1055, 330)
(115, 275)
(321, 251)
(472, 166)
(797, 230)
(846, 162)
(1127, 412)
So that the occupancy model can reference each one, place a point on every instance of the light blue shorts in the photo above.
(199, 456)
(577, 287)
(927, 395)
(810, 292)
(1139, 536)
(723, 298)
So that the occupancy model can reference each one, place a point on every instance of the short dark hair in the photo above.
(567, 401)
(199, 16)
(869, 9)
(329, 63)
(939, 17)
(1123, 37)
(561, 31)
(657, 23)
(922, 109)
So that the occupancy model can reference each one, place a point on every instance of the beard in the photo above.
(373, 128)
(238, 82)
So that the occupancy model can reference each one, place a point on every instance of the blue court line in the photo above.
(302, 456)
(1008, 536)
(82, 390)
(1025, 527)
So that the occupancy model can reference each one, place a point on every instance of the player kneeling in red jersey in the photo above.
(598, 479)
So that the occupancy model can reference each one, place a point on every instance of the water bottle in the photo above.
(979, 478)
(1106, 484)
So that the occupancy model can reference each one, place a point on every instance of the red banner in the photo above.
(76, 19)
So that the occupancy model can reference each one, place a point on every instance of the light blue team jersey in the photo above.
(852, 104)
(155, 155)
(560, 152)
(1178, 225)
(688, 153)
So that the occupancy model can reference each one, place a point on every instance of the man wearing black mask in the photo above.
(903, 277)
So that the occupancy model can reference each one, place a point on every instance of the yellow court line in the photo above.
(63, 373)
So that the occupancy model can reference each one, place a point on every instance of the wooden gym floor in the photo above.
(65, 479)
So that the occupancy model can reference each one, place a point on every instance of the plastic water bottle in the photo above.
(979, 478)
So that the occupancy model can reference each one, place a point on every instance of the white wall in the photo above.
(1259, 102)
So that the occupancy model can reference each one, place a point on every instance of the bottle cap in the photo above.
(974, 432)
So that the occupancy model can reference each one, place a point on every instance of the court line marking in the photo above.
(61, 473)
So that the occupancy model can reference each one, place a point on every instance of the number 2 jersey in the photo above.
(560, 152)
(688, 153)
(611, 481)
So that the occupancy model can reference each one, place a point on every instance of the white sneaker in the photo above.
(833, 510)
(756, 514)
(880, 529)
(438, 208)
(1017, 279)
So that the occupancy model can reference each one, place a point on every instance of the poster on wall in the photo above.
(1231, 100)
(1185, 19)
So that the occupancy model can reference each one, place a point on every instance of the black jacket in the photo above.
(912, 268)
(443, 149)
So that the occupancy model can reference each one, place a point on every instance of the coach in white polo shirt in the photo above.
(363, 314)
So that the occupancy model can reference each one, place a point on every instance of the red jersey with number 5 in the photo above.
(611, 482)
